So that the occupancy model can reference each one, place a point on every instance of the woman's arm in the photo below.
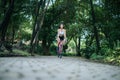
(57, 35)
(65, 39)
(65, 34)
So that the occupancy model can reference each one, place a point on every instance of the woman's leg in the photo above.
(58, 47)
(64, 41)
(61, 48)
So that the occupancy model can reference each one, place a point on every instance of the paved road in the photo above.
(53, 68)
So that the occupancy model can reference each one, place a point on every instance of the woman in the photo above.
(61, 37)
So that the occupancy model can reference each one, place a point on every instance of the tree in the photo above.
(38, 22)
(4, 24)
(94, 27)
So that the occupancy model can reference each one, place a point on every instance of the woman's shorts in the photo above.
(61, 38)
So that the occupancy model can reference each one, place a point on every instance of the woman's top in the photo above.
(61, 32)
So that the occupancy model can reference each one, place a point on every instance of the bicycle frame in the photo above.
(60, 48)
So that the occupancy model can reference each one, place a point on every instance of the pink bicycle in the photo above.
(60, 49)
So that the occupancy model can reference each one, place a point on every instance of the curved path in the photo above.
(53, 68)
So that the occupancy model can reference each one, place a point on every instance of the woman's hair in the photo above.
(60, 25)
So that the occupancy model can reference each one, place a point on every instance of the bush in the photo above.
(111, 55)
(94, 56)
(15, 53)
(116, 52)
(105, 51)
(53, 50)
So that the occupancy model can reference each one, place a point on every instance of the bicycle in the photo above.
(60, 49)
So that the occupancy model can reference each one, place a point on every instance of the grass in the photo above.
(113, 60)
(106, 59)
(103, 59)
(15, 53)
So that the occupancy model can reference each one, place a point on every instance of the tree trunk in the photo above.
(3, 4)
(35, 25)
(38, 25)
(46, 48)
(6, 20)
(4, 25)
(13, 34)
(94, 27)
(79, 41)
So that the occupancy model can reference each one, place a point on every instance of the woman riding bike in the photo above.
(61, 38)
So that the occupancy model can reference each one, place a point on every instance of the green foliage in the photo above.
(38, 50)
(76, 15)
(109, 55)
(94, 56)
(16, 52)
(69, 54)
(53, 49)
(20, 52)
